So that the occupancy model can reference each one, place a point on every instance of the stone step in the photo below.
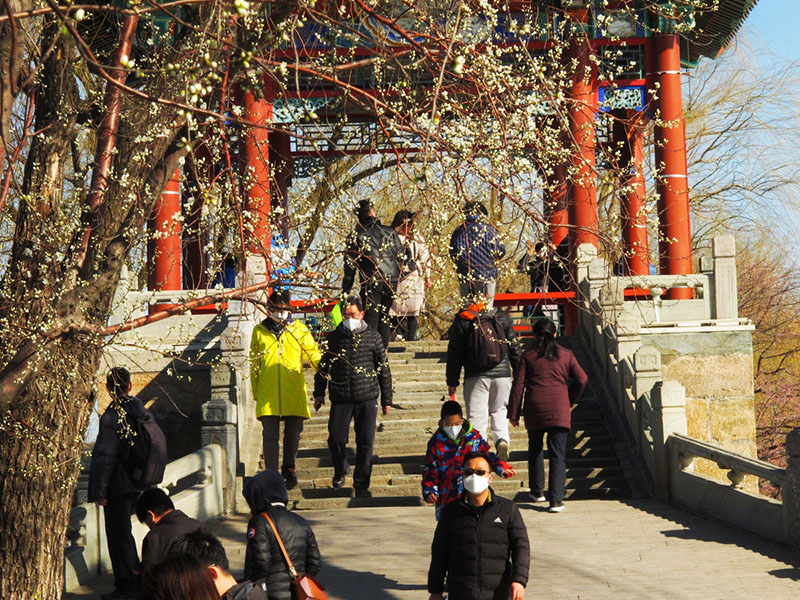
(392, 446)
(419, 439)
(415, 480)
(521, 497)
(320, 457)
(429, 426)
(387, 474)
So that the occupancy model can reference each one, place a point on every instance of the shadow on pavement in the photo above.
(357, 585)
(705, 528)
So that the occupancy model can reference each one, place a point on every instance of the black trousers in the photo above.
(365, 416)
(270, 433)
(378, 296)
(121, 545)
(557, 451)
(407, 327)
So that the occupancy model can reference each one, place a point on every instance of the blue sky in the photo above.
(773, 25)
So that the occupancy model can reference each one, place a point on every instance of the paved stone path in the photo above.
(596, 549)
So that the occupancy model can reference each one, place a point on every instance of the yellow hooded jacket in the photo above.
(276, 369)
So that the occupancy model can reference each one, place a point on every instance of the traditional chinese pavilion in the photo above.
(650, 41)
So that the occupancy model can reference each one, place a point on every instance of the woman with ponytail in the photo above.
(546, 385)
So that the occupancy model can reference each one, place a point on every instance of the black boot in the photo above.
(290, 476)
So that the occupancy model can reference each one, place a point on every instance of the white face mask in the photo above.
(475, 484)
(281, 315)
(351, 324)
(452, 431)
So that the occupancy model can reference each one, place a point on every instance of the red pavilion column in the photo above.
(583, 187)
(199, 172)
(164, 248)
(583, 107)
(255, 172)
(672, 185)
(629, 134)
(280, 150)
(555, 204)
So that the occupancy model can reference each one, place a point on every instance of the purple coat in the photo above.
(550, 388)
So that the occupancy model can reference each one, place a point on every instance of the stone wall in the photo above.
(716, 370)
(170, 365)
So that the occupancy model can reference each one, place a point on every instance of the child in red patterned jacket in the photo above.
(455, 439)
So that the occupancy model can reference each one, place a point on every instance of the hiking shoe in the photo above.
(556, 508)
(363, 493)
(290, 477)
(338, 481)
(502, 450)
(537, 497)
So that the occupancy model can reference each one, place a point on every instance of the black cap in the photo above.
(279, 299)
(401, 217)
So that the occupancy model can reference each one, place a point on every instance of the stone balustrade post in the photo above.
(669, 416)
(647, 373)
(790, 492)
(219, 419)
(584, 255)
(726, 294)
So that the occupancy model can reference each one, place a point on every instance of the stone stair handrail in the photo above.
(686, 449)
(196, 483)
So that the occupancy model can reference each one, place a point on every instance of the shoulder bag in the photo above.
(306, 587)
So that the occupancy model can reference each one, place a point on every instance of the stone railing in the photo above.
(657, 356)
(677, 479)
(197, 484)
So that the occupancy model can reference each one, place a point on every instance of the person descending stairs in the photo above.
(418, 372)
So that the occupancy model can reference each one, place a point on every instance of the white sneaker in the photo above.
(556, 509)
(536, 498)
(502, 450)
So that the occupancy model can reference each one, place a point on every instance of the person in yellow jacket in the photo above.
(278, 348)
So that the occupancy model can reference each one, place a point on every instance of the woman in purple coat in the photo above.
(551, 380)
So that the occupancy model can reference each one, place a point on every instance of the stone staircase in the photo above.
(593, 470)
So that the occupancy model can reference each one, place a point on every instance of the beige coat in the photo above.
(409, 299)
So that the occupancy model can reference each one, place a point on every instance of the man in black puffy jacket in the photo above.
(111, 487)
(266, 493)
(481, 544)
(377, 253)
(355, 371)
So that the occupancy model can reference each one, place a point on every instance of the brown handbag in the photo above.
(307, 587)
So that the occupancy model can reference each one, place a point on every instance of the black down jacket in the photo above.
(374, 251)
(264, 559)
(354, 367)
(107, 475)
(457, 356)
(481, 550)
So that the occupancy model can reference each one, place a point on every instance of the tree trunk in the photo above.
(41, 440)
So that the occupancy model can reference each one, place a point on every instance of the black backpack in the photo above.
(147, 451)
(485, 343)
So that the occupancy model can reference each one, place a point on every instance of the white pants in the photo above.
(469, 289)
(487, 397)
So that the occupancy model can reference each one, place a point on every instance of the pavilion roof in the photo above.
(715, 29)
